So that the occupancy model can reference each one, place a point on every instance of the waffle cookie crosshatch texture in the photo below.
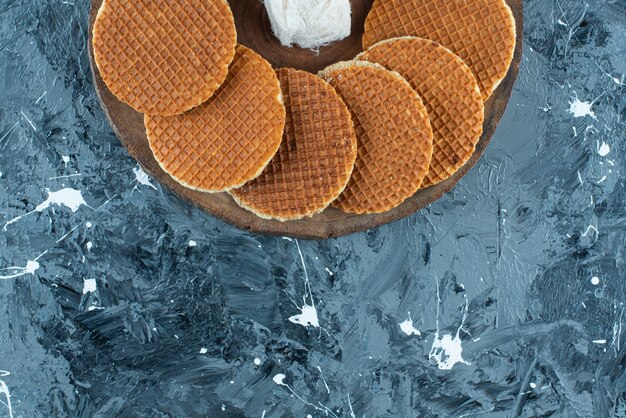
(212, 167)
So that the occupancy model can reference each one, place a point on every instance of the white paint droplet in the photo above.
(88, 224)
(447, 351)
(307, 317)
(203, 350)
(581, 109)
(257, 361)
(142, 178)
(328, 271)
(408, 328)
(279, 378)
(533, 385)
(89, 286)
(192, 243)
(595, 280)
(4, 390)
(68, 197)
(223, 407)
(31, 267)
(604, 149)
(89, 246)
(66, 159)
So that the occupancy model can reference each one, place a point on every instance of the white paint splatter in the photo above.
(9, 131)
(560, 22)
(65, 177)
(4, 390)
(141, 177)
(599, 341)
(41, 97)
(617, 333)
(308, 313)
(32, 125)
(595, 280)
(328, 271)
(604, 149)
(192, 243)
(31, 267)
(589, 229)
(68, 197)
(89, 286)
(408, 328)
(350, 405)
(257, 361)
(223, 407)
(89, 246)
(323, 380)
(203, 350)
(287, 239)
(279, 379)
(581, 109)
(447, 351)
(66, 159)
(308, 317)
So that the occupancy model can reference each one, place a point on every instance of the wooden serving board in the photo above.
(254, 31)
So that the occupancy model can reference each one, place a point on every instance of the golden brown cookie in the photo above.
(164, 57)
(449, 91)
(394, 137)
(228, 140)
(315, 160)
(481, 32)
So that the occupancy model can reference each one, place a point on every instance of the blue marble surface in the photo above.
(504, 298)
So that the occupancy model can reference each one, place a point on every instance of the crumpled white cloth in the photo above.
(309, 23)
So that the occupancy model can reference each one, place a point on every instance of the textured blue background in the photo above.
(515, 282)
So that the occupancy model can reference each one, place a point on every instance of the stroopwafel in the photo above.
(228, 140)
(394, 137)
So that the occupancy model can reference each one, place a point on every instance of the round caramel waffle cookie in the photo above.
(394, 137)
(481, 32)
(228, 140)
(164, 57)
(449, 91)
(315, 159)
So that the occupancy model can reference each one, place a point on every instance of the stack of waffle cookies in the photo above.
(362, 135)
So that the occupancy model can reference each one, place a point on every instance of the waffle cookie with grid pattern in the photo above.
(449, 91)
(481, 32)
(164, 57)
(394, 137)
(314, 162)
(228, 140)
